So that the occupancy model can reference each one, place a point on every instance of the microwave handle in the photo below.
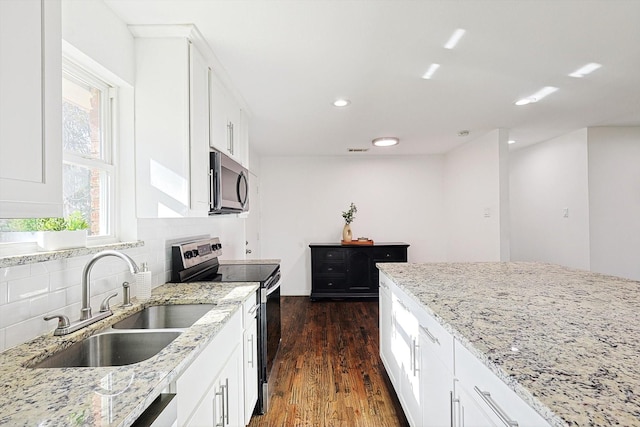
(211, 184)
(242, 180)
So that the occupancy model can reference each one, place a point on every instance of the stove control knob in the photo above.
(187, 254)
(194, 252)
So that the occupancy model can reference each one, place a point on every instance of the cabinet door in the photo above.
(217, 110)
(30, 108)
(406, 347)
(199, 132)
(387, 331)
(358, 271)
(436, 383)
(250, 369)
(488, 398)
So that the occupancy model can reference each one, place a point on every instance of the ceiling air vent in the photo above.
(358, 150)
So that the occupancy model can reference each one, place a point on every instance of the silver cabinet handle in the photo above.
(250, 340)
(415, 357)
(254, 309)
(429, 335)
(226, 390)
(486, 396)
(384, 285)
(218, 393)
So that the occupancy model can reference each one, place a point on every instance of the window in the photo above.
(88, 168)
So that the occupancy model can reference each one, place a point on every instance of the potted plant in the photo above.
(56, 233)
(348, 216)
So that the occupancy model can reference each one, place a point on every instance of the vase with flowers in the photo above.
(349, 216)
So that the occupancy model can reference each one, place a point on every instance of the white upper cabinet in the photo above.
(172, 129)
(182, 110)
(30, 108)
(229, 123)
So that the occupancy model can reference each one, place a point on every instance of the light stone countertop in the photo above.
(248, 261)
(77, 396)
(578, 333)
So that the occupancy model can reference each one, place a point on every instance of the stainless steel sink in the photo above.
(111, 349)
(165, 316)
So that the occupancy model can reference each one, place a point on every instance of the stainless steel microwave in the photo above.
(229, 185)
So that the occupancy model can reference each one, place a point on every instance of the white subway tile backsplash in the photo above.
(3, 293)
(57, 300)
(15, 272)
(16, 333)
(65, 278)
(39, 305)
(74, 294)
(15, 312)
(28, 287)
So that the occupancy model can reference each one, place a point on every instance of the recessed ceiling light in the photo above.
(385, 141)
(463, 133)
(585, 69)
(454, 39)
(341, 102)
(542, 93)
(430, 71)
(512, 141)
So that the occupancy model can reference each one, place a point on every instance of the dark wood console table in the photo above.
(349, 271)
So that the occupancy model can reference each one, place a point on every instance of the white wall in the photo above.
(546, 179)
(474, 200)
(398, 200)
(614, 200)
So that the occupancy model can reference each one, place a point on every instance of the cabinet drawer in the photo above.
(329, 284)
(329, 254)
(390, 254)
(437, 339)
(490, 394)
(330, 269)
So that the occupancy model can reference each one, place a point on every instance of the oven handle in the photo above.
(273, 288)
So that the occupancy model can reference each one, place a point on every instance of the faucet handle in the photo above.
(104, 306)
(63, 321)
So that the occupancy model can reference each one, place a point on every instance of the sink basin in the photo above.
(111, 349)
(165, 316)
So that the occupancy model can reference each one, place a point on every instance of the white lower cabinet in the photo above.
(437, 380)
(482, 399)
(387, 330)
(250, 358)
(210, 391)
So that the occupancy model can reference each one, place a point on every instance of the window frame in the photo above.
(76, 71)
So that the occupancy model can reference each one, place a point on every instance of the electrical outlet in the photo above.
(565, 212)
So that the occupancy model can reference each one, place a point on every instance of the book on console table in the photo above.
(357, 242)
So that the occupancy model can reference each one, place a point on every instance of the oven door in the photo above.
(269, 338)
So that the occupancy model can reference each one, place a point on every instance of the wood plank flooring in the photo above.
(328, 371)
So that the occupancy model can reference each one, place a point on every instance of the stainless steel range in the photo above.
(197, 261)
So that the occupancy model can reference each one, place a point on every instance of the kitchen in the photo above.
(454, 207)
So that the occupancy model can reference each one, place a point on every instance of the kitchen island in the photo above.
(565, 341)
(114, 396)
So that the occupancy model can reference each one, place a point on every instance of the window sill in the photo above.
(41, 256)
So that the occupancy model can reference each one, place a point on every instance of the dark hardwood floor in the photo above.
(328, 371)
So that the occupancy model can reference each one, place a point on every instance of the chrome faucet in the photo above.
(86, 318)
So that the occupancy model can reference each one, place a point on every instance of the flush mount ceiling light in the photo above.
(463, 133)
(512, 141)
(341, 102)
(585, 69)
(454, 39)
(430, 71)
(385, 141)
(542, 93)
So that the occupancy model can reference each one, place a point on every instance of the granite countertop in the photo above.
(577, 332)
(113, 396)
(249, 261)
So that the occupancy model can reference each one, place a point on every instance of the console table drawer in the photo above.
(390, 254)
(330, 268)
(329, 284)
(330, 254)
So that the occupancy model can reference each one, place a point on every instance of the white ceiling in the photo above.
(291, 59)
